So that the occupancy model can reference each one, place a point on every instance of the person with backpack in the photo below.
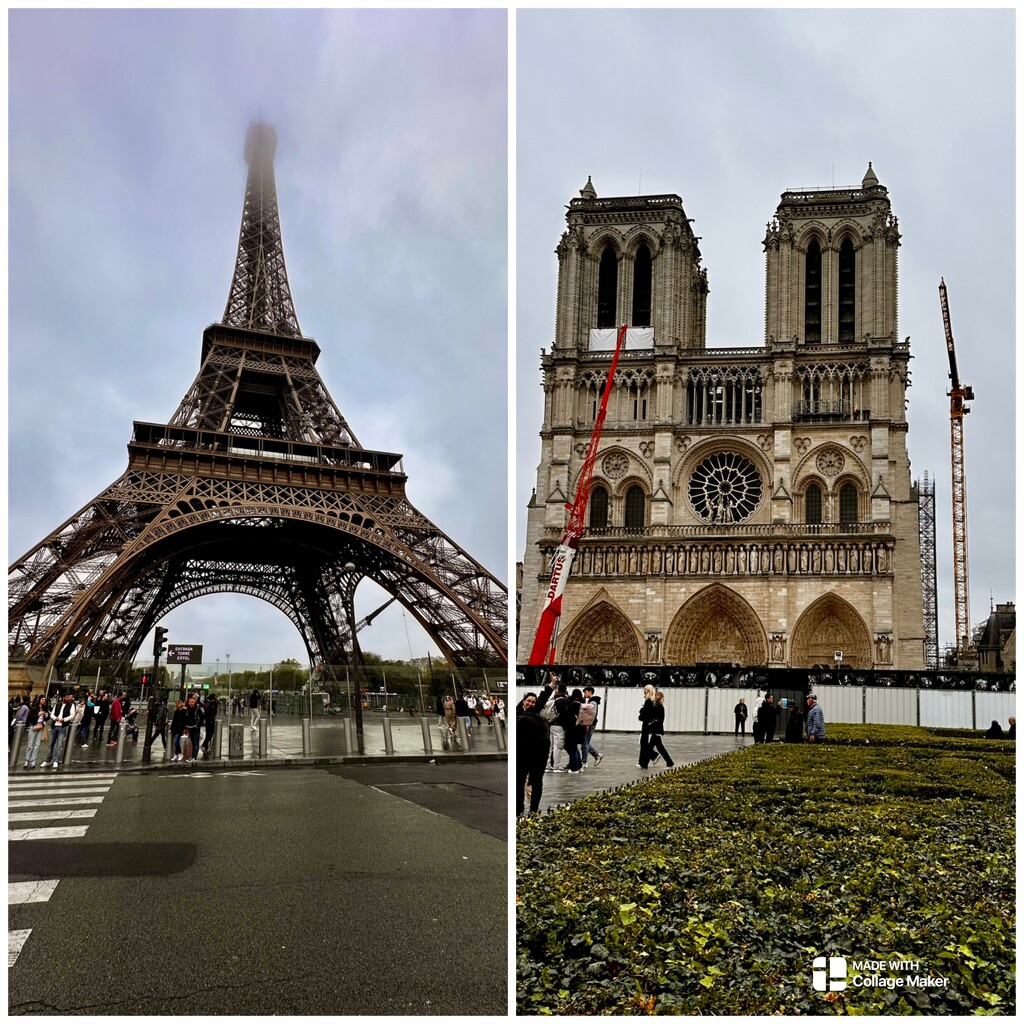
(551, 694)
(588, 719)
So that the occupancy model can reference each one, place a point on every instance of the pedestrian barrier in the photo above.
(218, 742)
(307, 744)
(69, 744)
(263, 725)
(499, 733)
(428, 745)
(121, 733)
(463, 734)
(236, 740)
(389, 743)
(16, 746)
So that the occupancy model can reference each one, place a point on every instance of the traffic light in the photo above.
(145, 679)
(159, 641)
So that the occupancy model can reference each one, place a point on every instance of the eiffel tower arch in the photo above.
(256, 485)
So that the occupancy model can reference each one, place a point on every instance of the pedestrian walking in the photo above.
(101, 713)
(463, 711)
(254, 709)
(655, 724)
(116, 714)
(815, 720)
(193, 719)
(210, 709)
(159, 723)
(645, 715)
(533, 743)
(741, 712)
(88, 714)
(60, 726)
(588, 718)
(552, 694)
(567, 712)
(178, 729)
(18, 720)
(448, 723)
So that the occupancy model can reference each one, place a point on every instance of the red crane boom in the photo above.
(958, 396)
(544, 643)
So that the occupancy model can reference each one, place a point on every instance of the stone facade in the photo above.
(748, 505)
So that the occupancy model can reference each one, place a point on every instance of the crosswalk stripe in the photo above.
(68, 801)
(51, 815)
(15, 835)
(31, 892)
(78, 790)
(15, 940)
(78, 774)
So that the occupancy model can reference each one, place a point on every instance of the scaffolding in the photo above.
(929, 591)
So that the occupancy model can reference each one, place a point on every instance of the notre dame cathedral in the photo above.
(749, 505)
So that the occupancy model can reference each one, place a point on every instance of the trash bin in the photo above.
(236, 740)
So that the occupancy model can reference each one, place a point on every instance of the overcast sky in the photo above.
(126, 186)
(729, 109)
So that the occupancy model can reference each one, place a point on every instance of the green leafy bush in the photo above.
(710, 889)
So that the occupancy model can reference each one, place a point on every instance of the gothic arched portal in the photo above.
(830, 624)
(601, 635)
(716, 624)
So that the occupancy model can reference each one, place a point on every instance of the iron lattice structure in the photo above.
(255, 486)
(929, 582)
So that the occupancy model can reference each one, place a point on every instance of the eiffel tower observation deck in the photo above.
(256, 485)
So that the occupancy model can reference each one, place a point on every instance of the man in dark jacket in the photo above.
(740, 711)
(102, 710)
(533, 740)
(767, 715)
(210, 716)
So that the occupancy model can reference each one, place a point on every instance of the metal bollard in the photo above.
(307, 742)
(121, 733)
(169, 743)
(428, 745)
(236, 740)
(69, 744)
(499, 733)
(389, 744)
(263, 737)
(350, 743)
(463, 734)
(16, 746)
(218, 742)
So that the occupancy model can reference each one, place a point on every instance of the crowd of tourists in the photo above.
(476, 712)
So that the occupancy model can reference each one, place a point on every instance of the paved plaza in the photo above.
(618, 765)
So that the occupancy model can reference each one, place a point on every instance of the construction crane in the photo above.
(959, 395)
(544, 643)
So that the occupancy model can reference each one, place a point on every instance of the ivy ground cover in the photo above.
(713, 889)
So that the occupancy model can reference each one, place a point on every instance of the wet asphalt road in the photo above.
(357, 889)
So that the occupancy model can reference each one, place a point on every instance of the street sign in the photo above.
(184, 654)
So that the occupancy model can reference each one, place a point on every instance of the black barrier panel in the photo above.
(761, 678)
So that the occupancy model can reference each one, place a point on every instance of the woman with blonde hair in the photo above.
(646, 713)
(656, 729)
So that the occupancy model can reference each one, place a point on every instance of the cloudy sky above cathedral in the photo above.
(728, 109)
(126, 186)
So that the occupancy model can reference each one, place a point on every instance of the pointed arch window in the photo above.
(635, 506)
(607, 288)
(812, 504)
(812, 294)
(847, 504)
(598, 508)
(642, 288)
(847, 292)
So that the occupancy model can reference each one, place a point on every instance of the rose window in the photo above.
(725, 488)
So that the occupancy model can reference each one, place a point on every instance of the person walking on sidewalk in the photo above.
(655, 724)
(87, 716)
(254, 709)
(193, 719)
(116, 714)
(815, 724)
(101, 713)
(210, 715)
(177, 729)
(588, 719)
(645, 716)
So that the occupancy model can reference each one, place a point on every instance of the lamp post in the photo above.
(228, 659)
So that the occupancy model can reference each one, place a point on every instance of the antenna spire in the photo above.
(260, 298)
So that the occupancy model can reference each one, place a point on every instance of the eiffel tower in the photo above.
(256, 485)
